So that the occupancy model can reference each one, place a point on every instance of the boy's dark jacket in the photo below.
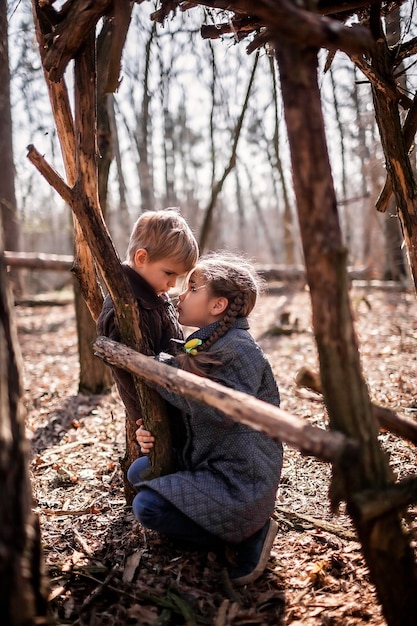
(159, 325)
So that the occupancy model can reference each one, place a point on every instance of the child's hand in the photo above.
(144, 438)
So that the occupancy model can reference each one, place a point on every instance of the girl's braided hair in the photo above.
(233, 277)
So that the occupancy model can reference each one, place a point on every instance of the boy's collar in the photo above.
(142, 289)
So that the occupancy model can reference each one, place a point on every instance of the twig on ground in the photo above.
(327, 526)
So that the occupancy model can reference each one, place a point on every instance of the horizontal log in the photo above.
(270, 273)
(388, 420)
(326, 445)
(297, 272)
(39, 261)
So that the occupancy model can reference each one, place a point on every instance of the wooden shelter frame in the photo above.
(361, 475)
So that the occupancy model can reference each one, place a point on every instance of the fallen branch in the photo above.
(326, 445)
(334, 529)
(388, 420)
(101, 587)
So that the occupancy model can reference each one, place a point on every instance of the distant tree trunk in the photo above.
(8, 205)
(344, 213)
(395, 266)
(289, 239)
(143, 135)
(94, 378)
(268, 233)
(23, 589)
(218, 186)
(384, 543)
(123, 218)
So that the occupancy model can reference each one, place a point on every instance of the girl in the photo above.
(224, 489)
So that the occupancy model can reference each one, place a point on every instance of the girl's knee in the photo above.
(146, 508)
(135, 471)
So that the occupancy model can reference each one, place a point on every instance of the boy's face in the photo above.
(161, 275)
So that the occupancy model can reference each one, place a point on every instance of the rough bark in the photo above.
(409, 130)
(95, 377)
(384, 544)
(283, 19)
(400, 172)
(78, 142)
(83, 267)
(23, 589)
(68, 31)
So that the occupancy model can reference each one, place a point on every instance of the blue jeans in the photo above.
(155, 512)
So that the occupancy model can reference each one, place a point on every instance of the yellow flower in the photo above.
(191, 345)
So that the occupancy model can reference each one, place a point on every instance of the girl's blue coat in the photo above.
(228, 473)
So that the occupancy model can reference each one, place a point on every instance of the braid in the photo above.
(235, 308)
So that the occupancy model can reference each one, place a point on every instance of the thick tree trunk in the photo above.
(78, 143)
(385, 546)
(95, 377)
(22, 583)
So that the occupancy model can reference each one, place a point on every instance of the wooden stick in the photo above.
(241, 407)
(51, 176)
(328, 527)
(387, 419)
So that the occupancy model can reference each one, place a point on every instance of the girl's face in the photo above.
(197, 307)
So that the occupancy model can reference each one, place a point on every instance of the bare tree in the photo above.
(218, 185)
(8, 205)
(23, 588)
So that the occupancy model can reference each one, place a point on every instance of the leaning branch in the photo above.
(387, 419)
(326, 445)
(50, 175)
(409, 131)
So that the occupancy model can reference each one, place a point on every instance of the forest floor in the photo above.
(104, 569)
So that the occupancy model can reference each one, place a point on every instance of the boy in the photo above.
(161, 248)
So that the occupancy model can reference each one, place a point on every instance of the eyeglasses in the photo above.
(191, 289)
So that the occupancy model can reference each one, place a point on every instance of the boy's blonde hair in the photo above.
(163, 234)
